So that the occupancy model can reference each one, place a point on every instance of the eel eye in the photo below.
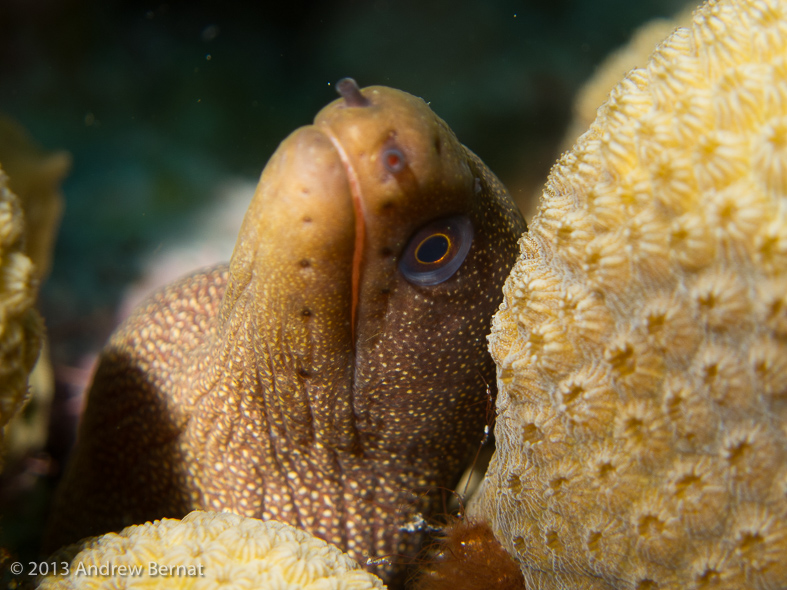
(394, 160)
(437, 250)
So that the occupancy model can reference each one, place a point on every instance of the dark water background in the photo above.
(160, 102)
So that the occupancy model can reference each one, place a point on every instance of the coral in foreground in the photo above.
(209, 550)
(642, 344)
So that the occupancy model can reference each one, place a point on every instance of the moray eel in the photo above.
(334, 372)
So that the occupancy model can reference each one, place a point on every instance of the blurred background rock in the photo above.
(170, 111)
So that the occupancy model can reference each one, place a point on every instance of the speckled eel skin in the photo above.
(335, 371)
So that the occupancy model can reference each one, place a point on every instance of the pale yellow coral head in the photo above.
(643, 392)
(208, 550)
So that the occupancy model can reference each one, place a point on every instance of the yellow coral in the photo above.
(641, 437)
(34, 176)
(20, 325)
(208, 550)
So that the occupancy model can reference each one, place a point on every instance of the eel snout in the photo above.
(303, 203)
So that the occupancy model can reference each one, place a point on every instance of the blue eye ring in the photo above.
(437, 250)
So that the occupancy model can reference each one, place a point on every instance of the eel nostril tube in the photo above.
(348, 89)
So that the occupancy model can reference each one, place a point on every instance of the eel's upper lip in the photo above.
(360, 221)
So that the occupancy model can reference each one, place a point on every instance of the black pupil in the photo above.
(432, 249)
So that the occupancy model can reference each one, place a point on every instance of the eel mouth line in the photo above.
(360, 227)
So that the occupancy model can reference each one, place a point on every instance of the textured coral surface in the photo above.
(214, 550)
(20, 325)
(34, 176)
(642, 345)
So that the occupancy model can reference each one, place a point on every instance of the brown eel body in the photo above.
(334, 372)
